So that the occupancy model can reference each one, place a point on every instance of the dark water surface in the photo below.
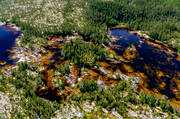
(160, 67)
(7, 41)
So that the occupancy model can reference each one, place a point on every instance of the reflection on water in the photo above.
(7, 40)
(160, 66)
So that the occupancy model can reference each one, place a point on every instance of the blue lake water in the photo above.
(7, 41)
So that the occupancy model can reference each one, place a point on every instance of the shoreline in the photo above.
(13, 26)
(16, 43)
(144, 36)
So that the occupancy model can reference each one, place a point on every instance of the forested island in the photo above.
(90, 59)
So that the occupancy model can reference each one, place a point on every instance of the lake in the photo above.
(7, 41)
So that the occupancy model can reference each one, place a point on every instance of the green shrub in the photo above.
(63, 70)
(166, 106)
(154, 101)
(132, 98)
(122, 85)
(83, 54)
(39, 107)
(88, 86)
(148, 99)
(119, 96)
(25, 85)
(58, 83)
(22, 66)
(112, 22)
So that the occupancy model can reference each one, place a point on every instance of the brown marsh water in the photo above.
(158, 67)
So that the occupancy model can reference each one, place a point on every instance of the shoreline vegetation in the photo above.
(47, 26)
(13, 26)
(144, 36)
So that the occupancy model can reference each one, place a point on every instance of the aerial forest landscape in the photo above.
(89, 59)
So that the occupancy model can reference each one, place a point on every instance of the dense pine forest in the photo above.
(27, 91)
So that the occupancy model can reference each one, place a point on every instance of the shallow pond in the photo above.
(7, 41)
(159, 67)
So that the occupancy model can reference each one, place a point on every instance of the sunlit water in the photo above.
(7, 41)
(160, 66)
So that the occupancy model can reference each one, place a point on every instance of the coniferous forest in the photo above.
(66, 66)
